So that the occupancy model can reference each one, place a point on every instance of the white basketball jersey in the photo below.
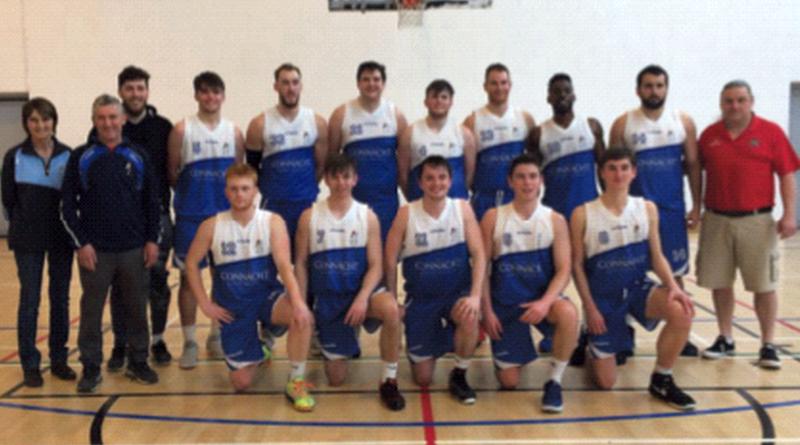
(606, 231)
(360, 124)
(233, 243)
(448, 142)
(556, 142)
(513, 234)
(201, 143)
(492, 130)
(281, 134)
(425, 233)
(331, 233)
(643, 133)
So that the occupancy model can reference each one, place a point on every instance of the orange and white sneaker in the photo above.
(297, 393)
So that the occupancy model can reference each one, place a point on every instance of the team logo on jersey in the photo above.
(356, 129)
(754, 143)
(196, 147)
(581, 140)
(129, 169)
(305, 135)
(277, 139)
(639, 138)
(553, 148)
(423, 151)
(353, 238)
(320, 236)
(259, 247)
(486, 135)
(453, 233)
(603, 237)
(507, 239)
(514, 130)
(228, 248)
(421, 239)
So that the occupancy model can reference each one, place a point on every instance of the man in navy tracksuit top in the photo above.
(111, 211)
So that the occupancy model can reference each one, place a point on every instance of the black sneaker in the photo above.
(689, 350)
(768, 357)
(161, 355)
(663, 387)
(719, 349)
(459, 387)
(390, 395)
(117, 360)
(90, 379)
(32, 378)
(141, 372)
(63, 371)
(578, 357)
(551, 398)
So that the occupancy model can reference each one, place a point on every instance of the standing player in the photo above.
(288, 144)
(436, 135)
(529, 244)
(338, 258)
(250, 249)
(201, 148)
(366, 129)
(500, 131)
(615, 241)
(569, 146)
(436, 237)
(665, 143)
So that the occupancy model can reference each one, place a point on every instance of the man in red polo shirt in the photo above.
(741, 154)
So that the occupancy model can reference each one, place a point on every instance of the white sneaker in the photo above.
(188, 359)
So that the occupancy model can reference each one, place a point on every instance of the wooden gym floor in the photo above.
(737, 402)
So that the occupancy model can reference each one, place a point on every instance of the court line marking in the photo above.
(427, 416)
(403, 424)
(96, 430)
(608, 440)
(767, 427)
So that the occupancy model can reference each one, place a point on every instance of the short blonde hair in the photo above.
(241, 170)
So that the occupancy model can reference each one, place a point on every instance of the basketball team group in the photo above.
(502, 213)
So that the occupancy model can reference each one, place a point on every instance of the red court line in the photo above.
(783, 323)
(38, 339)
(427, 416)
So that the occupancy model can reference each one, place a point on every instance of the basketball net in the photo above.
(409, 13)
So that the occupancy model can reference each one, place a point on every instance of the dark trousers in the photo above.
(159, 295)
(126, 269)
(30, 267)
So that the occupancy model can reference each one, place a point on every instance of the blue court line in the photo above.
(438, 424)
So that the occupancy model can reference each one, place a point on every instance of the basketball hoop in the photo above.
(409, 13)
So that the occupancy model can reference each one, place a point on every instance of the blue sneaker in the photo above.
(551, 399)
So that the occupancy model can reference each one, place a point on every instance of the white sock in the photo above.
(663, 371)
(214, 332)
(188, 332)
(557, 368)
(389, 371)
(728, 339)
(157, 338)
(462, 363)
(298, 370)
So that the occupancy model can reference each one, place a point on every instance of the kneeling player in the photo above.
(615, 242)
(338, 256)
(529, 244)
(436, 237)
(250, 250)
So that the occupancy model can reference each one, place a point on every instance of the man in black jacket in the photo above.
(110, 209)
(147, 129)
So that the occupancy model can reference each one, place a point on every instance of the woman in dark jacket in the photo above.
(32, 176)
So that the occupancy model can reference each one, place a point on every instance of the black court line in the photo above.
(96, 430)
(338, 392)
(767, 428)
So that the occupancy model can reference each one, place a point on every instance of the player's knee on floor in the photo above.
(336, 371)
(423, 372)
(508, 378)
(241, 379)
